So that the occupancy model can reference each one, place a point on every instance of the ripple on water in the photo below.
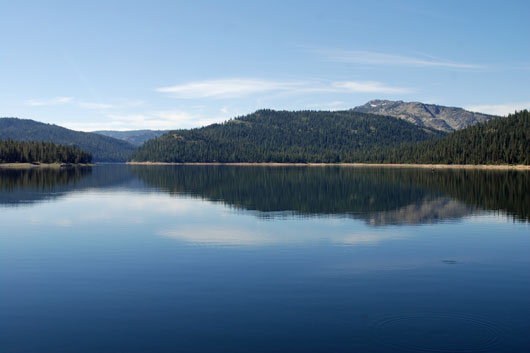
(438, 333)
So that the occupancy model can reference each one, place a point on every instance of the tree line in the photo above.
(40, 152)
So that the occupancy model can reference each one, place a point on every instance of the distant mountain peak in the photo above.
(135, 137)
(427, 115)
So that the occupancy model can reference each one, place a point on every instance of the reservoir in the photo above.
(133, 258)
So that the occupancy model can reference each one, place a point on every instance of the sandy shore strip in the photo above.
(375, 165)
(40, 165)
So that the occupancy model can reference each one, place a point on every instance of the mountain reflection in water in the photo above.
(379, 196)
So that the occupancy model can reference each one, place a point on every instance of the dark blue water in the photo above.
(254, 259)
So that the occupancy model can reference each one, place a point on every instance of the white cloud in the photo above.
(51, 101)
(376, 58)
(227, 88)
(367, 87)
(499, 109)
(85, 104)
(237, 88)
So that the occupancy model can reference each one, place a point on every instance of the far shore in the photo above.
(425, 166)
(40, 165)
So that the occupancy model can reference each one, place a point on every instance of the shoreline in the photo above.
(372, 165)
(41, 165)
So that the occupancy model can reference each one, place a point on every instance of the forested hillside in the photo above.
(43, 152)
(103, 148)
(497, 141)
(283, 136)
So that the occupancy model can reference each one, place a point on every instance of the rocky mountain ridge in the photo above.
(427, 115)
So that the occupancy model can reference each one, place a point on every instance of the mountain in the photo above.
(102, 148)
(284, 136)
(426, 115)
(135, 137)
(498, 141)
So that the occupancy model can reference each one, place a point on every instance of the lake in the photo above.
(117, 258)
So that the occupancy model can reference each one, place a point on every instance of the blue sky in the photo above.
(163, 65)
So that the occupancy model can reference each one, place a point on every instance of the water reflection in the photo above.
(28, 186)
(424, 211)
(379, 196)
(223, 233)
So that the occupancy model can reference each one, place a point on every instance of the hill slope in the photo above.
(498, 141)
(135, 137)
(428, 115)
(283, 136)
(103, 148)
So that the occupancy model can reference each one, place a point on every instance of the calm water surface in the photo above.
(264, 259)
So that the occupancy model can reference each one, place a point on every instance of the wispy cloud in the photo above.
(51, 101)
(117, 103)
(499, 109)
(385, 59)
(367, 87)
(227, 88)
(238, 88)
